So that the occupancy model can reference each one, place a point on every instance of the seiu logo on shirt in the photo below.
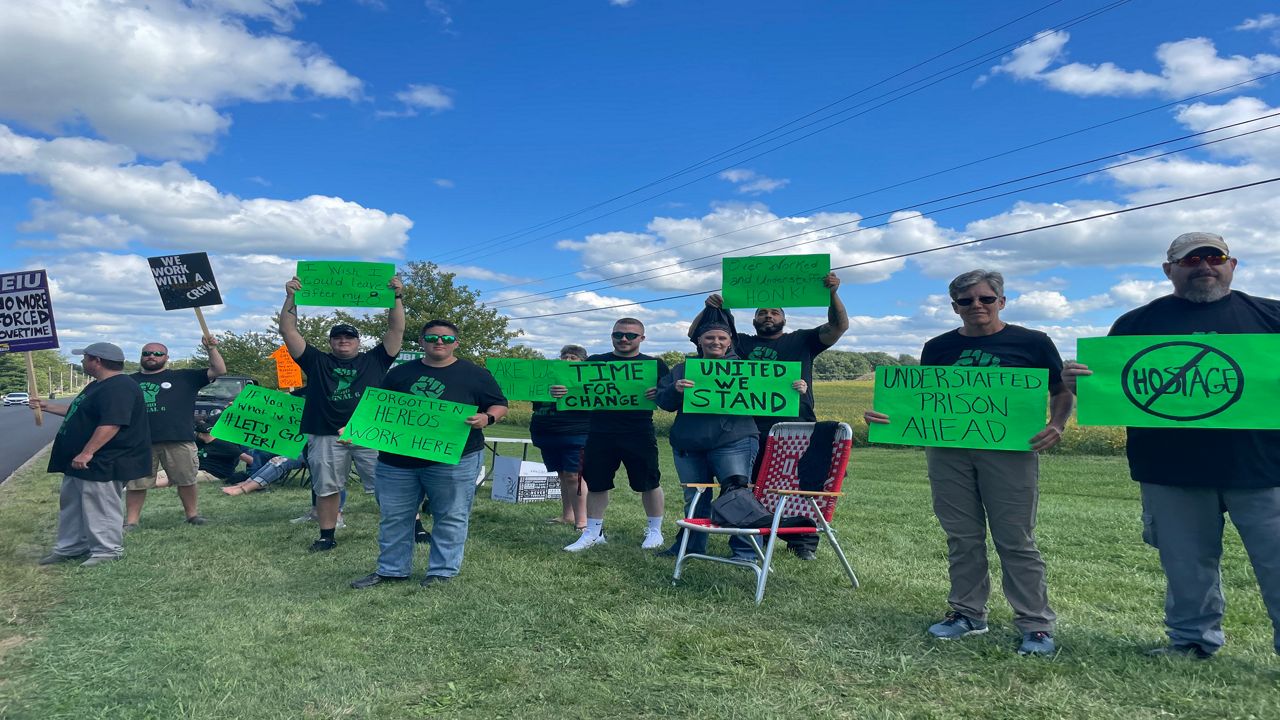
(427, 387)
(977, 358)
(150, 391)
(763, 352)
(343, 377)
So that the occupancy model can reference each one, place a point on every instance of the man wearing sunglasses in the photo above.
(404, 481)
(621, 438)
(170, 396)
(974, 490)
(1190, 477)
(335, 382)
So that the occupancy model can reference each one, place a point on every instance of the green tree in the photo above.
(673, 357)
(879, 358)
(840, 365)
(905, 359)
(523, 352)
(53, 372)
(431, 294)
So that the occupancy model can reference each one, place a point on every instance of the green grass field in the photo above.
(236, 620)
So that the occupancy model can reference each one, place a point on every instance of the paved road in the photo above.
(20, 438)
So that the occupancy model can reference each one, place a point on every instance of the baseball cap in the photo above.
(344, 329)
(203, 426)
(103, 350)
(1187, 243)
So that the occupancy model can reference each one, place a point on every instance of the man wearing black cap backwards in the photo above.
(103, 443)
(335, 382)
(1190, 477)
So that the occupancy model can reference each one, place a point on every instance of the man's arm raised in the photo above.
(289, 320)
(394, 337)
(837, 318)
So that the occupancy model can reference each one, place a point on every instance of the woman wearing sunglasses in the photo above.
(974, 490)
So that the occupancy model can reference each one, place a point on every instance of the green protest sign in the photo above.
(742, 387)
(1181, 381)
(408, 356)
(345, 284)
(262, 418)
(986, 408)
(412, 425)
(523, 379)
(618, 385)
(775, 281)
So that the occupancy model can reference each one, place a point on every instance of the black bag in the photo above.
(739, 508)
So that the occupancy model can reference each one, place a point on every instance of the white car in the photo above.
(16, 399)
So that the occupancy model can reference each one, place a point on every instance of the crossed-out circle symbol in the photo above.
(1201, 354)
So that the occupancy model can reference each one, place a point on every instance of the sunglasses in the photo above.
(446, 339)
(624, 335)
(153, 353)
(1195, 260)
(984, 299)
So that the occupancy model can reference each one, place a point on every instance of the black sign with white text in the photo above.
(185, 281)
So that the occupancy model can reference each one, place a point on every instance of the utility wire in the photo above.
(949, 246)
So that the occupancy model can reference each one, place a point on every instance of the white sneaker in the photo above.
(309, 517)
(340, 524)
(586, 541)
(652, 539)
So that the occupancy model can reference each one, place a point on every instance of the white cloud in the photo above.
(429, 97)
(100, 187)
(1264, 21)
(749, 182)
(1187, 67)
(472, 272)
(445, 183)
(621, 3)
(152, 75)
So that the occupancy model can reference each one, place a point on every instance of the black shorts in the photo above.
(606, 451)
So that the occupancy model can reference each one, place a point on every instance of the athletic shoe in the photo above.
(98, 560)
(130, 527)
(309, 517)
(196, 520)
(323, 545)
(422, 538)
(805, 554)
(55, 558)
(652, 539)
(1037, 643)
(372, 579)
(585, 541)
(956, 625)
(430, 580)
(1189, 650)
(341, 523)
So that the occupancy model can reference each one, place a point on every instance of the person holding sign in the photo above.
(103, 443)
(404, 480)
(171, 404)
(1190, 477)
(560, 435)
(621, 438)
(976, 489)
(335, 382)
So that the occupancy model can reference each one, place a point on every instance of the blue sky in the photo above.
(268, 131)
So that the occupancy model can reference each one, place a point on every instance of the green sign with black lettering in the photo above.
(345, 284)
(742, 387)
(617, 385)
(263, 418)
(777, 281)
(412, 425)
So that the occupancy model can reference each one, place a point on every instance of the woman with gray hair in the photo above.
(560, 435)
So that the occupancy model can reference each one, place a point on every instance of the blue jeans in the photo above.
(271, 472)
(695, 467)
(449, 490)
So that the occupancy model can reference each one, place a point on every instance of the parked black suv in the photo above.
(217, 395)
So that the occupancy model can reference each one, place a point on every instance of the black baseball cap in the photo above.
(344, 329)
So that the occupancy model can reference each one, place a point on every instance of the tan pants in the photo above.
(179, 461)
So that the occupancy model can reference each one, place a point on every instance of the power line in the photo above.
(949, 246)
(916, 206)
(865, 193)
(480, 250)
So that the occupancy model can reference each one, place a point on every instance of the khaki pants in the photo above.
(999, 489)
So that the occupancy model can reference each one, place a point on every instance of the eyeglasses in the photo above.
(984, 299)
(624, 335)
(446, 339)
(153, 353)
(1195, 260)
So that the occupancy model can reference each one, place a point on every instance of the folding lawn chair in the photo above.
(778, 489)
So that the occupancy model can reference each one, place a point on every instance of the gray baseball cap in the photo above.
(103, 350)
(1187, 243)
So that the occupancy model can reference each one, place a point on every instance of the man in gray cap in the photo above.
(103, 443)
(1191, 477)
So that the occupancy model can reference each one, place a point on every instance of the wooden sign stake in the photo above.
(31, 387)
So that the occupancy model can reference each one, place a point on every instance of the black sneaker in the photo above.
(430, 580)
(323, 545)
(1189, 650)
(422, 538)
(957, 625)
(805, 554)
(372, 579)
(196, 520)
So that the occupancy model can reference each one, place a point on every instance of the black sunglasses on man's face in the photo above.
(626, 335)
(984, 299)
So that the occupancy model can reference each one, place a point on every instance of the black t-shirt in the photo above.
(170, 396)
(1203, 457)
(1014, 346)
(116, 400)
(547, 419)
(218, 457)
(800, 346)
(625, 421)
(334, 386)
(460, 382)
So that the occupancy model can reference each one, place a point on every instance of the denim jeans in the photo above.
(695, 467)
(449, 490)
(271, 472)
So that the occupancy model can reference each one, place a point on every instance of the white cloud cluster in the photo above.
(1265, 21)
(750, 182)
(1187, 67)
(420, 97)
(152, 74)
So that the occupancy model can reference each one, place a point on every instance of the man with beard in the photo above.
(170, 396)
(771, 343)
(1190, 477)
(335, 382)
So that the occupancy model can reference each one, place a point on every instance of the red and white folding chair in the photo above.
(778, 489)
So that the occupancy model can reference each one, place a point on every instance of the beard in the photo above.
(768, 327)
(1206, 292)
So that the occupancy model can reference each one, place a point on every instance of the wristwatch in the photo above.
(492, 420)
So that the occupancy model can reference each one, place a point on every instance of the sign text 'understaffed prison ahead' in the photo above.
(779, 281)
(617, 385)
(263, 418)
(26, 314)
(345, 284)
(986, 408)
(742, 387)
(410, 425)
(1209, 381)
(185, 281)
